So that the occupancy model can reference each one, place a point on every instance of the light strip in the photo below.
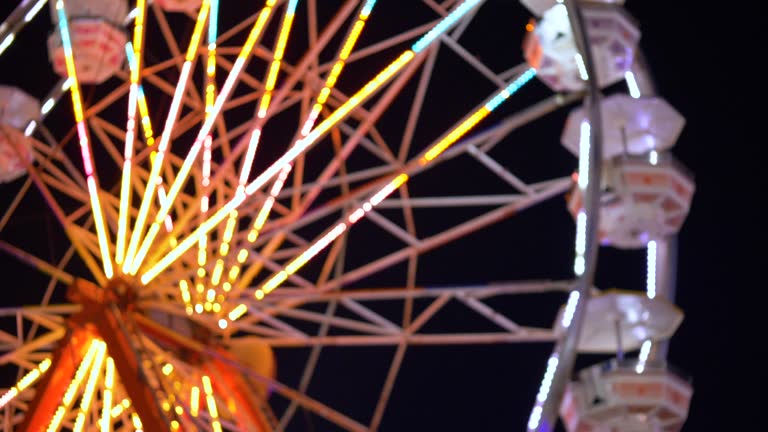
(69, 394)
(211, 402)
(301, 145)
(181, 176)
(130, 130)
(274, 67)
(194, 401)
(444, 25)
(85, 150)
(136, 420)
(106, 399)
(632, 86)
(651, 271)
(355, 215)
(210, 99)
(13, 24)
(35, 9)
(90, 387)
(173, 112)
(27, 380)
(541, 396)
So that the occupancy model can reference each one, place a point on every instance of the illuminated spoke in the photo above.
(354, 216)
(330, 81)
(130, 128)
(85, 146)
(173, 113)
(181, 176)
(302, 145)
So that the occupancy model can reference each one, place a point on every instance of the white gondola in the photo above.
(98, 40)
(538, 7)
(631, 395)
(630, 125)
(550, 48)
(644, 198)
(618, 320)
(17, 110)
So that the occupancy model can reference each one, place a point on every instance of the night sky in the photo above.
(698, 58)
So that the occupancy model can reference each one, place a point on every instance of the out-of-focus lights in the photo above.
(653, 157)
(634, 90)
(651, 271)
(582, 67)
(584, 147)
(570, 308)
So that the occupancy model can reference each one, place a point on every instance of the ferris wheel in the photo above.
(236, 183)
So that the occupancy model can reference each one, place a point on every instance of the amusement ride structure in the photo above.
(240, 179)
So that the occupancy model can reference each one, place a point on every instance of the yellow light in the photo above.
(166, 406)
(242, 256)
(69, 394)
(136, 421)
(454, 135)
(197, 33)
(354, 34)
(276, 280)
(201, 272)
(119, 408)
(207, 385)
(25, 382)
(158, 161)
(175, 424)
(167, 369)
(216, 276)
(226, 286)
(182, 247)
(106, 399)
(184, 287)
(237, 312)
(93, 379)
(362, 94)
(216, 308)
(233, 272)
(194, 401)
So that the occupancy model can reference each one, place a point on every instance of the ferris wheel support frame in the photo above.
(565, 351)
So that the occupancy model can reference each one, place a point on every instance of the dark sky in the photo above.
(700, 60)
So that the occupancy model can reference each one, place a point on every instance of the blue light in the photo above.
(213, 25)
(513, 87)
(367, 8)
(443, 25)
(130, 56)
(65, 41)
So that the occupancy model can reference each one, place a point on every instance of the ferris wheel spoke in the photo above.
(474, 300)
(40, 264)
(345, 48)
(356, 138)
(137, 46)
(157, 163)
(364, 93)
(39, 178)
(391, 184)
(181, 175)
(85, 147)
